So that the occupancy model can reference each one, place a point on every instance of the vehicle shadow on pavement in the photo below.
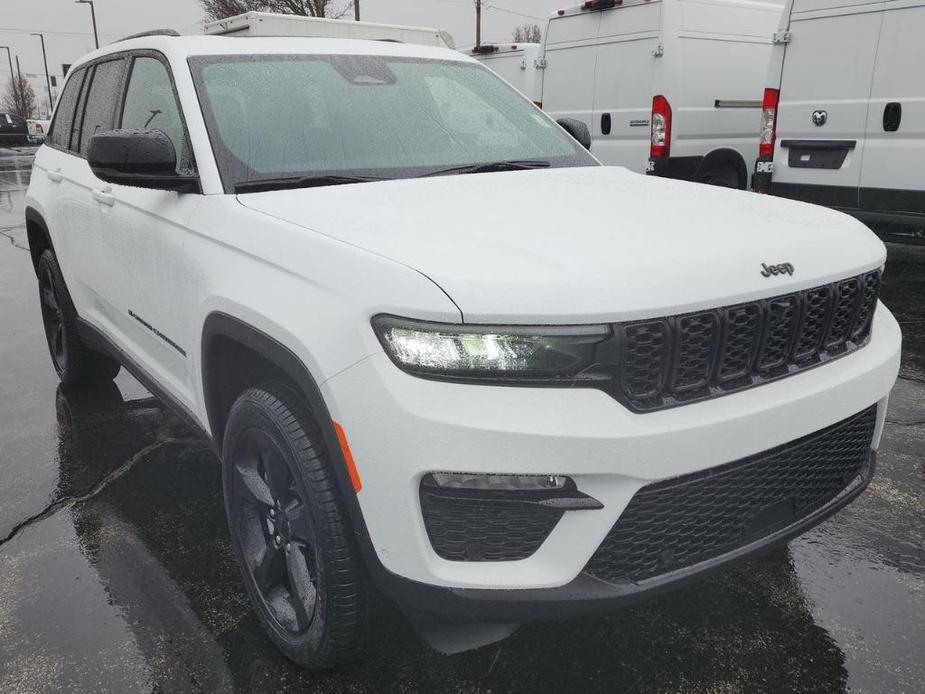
(157, 539)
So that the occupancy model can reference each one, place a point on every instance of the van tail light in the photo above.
(768, 123)
(661, 128)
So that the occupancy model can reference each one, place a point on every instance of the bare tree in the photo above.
(19, 97)
(220, 9)
(528, 33)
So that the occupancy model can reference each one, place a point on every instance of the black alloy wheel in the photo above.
(275, 530)
(289, 528)
(52, 318)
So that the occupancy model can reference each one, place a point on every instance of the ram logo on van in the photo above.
(781, 269)
(820, 118)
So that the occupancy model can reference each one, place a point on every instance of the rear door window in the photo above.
(60, 136)
(100, 112)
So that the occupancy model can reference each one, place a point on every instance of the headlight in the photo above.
(490, 352)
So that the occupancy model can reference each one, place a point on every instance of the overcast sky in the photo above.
(69, 34)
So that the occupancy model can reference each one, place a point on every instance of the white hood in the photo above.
(584, 245)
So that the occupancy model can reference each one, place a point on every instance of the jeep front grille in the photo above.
(695, 356)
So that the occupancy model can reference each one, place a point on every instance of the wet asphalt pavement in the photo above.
(116, 572)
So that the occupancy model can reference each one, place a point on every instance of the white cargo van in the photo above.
(515, 63)
(668, 86)
(273, 24)
(844, 117)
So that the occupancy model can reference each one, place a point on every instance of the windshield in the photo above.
(330, 119)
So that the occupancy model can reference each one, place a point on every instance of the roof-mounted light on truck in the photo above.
(600, 4)
(768, 123)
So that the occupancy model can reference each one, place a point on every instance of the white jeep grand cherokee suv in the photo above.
(440, 349)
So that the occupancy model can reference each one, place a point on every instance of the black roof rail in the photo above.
(153, 32)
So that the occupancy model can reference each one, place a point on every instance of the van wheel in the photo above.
(721, 174)
(75, 363)
(289, 529)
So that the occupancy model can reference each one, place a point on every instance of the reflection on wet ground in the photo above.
(117, 573)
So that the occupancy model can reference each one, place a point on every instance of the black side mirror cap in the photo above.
(578, 130)
(139, 158)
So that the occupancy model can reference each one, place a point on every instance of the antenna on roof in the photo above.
(153, 32)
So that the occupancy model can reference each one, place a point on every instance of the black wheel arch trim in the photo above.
(220, 324)
(33, 216)
(731, 156)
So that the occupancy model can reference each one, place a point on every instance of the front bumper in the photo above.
(400, 428)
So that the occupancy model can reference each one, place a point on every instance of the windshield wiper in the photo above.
(510, 165)
(289, 182)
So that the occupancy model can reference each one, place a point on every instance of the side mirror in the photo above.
(577, 129)
(139, 158)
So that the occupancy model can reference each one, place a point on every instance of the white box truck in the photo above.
(515, 63)
(672, 87)
(844, 111)
(273, 24)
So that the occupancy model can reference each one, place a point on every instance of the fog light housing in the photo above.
(487, 482)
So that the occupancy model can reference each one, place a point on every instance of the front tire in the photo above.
(290, 531)
(74, 362)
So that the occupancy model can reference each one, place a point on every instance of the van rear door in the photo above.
(824, 95)
(570, 58)
(893, 176)
(629, 36)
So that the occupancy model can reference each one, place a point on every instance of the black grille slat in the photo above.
(645, 359)
(782, 317)
(696, 356)
(741, 332)
(680, 522)
(817, 307)
(869, 294)
(846, 305)
(695, 349)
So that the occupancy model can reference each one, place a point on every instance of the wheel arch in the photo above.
(236, 356)
(725, 155)
(38, 236)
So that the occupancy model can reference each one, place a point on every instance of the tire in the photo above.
(74, 362)
(723, 174)
(289, 529)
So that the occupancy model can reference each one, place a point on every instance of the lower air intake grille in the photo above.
(682, 521)
(479, 529)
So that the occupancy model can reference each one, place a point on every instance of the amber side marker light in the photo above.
(348, 457)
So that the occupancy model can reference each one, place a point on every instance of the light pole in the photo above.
(96, 37)
(356, 9)
(478, 23)
(9, 56)
(51, 105)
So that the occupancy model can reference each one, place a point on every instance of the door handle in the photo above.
(892, 116)
(104, 197)
(55, 176)
(606, 124)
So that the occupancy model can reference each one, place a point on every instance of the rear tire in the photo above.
(722, 174)
(289, 529)
(75, 363)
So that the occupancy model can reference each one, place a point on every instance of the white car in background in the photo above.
(440, 349)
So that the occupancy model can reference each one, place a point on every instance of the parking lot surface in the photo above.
(117, 574)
